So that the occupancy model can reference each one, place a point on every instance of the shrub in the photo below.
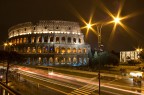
(133, 62)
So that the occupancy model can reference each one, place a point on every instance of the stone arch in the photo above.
(74, 40)
(84, 50)
(63, 39)
(57, 40)
(68, 50)
(33, 50)
(69, 60)
(39, 50)
(51, 39)
(69, 39)
(24, 50)
(57, 49)
(39, 60)
(33, 39)
(45, 39)
(74, 50)
(56, 60)
(79, 50)
(29, 39)
(51, 49)
(28, 49)
(39, 39)
(84, 61)
(74, 60)
(63, 50)
(24, 40)
(80, 41)
(45, 49)
(21, 40)
(80, 61)
(51, 60)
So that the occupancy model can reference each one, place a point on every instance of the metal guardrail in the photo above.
(5, 90)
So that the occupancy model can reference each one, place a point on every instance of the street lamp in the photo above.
(99, 27)
(7, 44)
(116, 20)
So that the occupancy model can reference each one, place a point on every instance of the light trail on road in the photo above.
(65, 78)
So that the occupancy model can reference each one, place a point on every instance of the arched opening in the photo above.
(69, 60)
(51, 39)
(24, 49)
(40, 39)
(45, 49)
(46, 39)
(68, 50)
(79, 40)
(79, 50)
(33, 50)
(57, 39)
(51, 49)
(69, 39)
(39, 60)
(29, 39)
(28, 50)
(84, 50)
(20, 40)
(74, 60)
(57, 49)
(56, 60)
(33, 39)
(25, 40)
(63, 50)
(51, 60)
(74, 50)
(74, 40)
(63, 39)
(17, 41)
(39, 50)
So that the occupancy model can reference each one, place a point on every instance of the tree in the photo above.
(105, 58)
(141, 55)
(11, 57)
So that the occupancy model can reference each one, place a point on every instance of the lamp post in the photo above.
(99, 27)
(7, 44)
(116, 20)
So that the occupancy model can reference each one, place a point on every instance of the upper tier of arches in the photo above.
(52, 26)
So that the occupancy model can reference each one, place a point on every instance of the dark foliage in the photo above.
(104, 58)
(133, 62)
(141, 55)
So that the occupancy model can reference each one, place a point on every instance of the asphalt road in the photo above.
(39, 82)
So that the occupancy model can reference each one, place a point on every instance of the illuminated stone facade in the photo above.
(129, 55)
(50, 43)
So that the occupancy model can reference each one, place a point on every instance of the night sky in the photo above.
(13, 12)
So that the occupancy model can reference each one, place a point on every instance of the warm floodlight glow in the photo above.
(5, 44)
(10, 44)
(136, 73)
(139, 49)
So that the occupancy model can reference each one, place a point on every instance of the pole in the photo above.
(99, 50)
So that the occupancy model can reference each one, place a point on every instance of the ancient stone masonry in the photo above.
(50, 43)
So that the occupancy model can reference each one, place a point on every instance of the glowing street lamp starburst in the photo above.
(117, 20)
(89, 25)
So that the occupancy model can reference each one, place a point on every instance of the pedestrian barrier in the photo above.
(5, 90)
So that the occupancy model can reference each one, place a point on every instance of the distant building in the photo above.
(50, 43)
(129, 55)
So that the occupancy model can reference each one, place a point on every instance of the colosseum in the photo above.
(50, 43)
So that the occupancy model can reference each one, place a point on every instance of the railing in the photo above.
(5, 90)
